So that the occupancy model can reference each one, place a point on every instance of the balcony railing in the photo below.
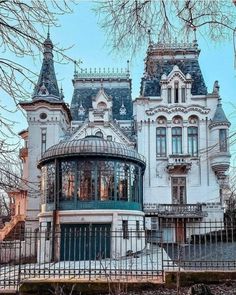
(179, 161)
(174, 210)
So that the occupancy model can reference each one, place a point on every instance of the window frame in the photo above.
(125, 229)
(169, 94)
(178, 185)
(223, 142)
(177, 139)
(43, 140)
(162, 139)
(192, 141)
(176, 92)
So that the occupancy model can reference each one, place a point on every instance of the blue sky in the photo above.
(81, 30)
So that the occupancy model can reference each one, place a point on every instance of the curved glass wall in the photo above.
(92, 184)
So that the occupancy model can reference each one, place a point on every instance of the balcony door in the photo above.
(178, 187)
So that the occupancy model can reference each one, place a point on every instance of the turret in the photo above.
(48, 118)
(46, 87)
(219, 138)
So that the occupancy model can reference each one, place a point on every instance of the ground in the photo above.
(228, 288)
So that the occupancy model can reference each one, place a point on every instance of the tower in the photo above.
(48, 118)
(189, 154)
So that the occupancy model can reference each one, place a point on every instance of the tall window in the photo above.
(137, 229)
(176, 140)
(176, 92)
(178, 186)
(183, 94)
(193, 141)
(43, 140)
(169, 94)
(125, 229)
(223, 140)
(161, 141)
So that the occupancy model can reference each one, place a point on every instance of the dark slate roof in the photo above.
(84, 96)
(219, 116)
(47, 77)
(150, 85)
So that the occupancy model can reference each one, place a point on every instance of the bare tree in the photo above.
(129, 23)
(23, 27)
(22, 32)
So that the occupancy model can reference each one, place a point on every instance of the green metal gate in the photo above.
(85, 242)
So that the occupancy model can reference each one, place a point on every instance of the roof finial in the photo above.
(127, 67)
(61, 93)
(195, 37)
(48, 35)
(75, 68)
(149, 37)
(216, 87)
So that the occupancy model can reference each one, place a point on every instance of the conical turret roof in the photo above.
(47, 86)
(219, 116)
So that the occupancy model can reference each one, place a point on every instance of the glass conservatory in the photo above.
(92, 173)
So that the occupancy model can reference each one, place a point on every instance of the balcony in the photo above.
(220, 163)
(177, 163)
(174, 210)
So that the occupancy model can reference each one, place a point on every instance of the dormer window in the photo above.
(169, 94)
(183, 94)
(99, 134)
(101, 105)
(176, 92)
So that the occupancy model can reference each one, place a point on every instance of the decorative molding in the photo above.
(179, 108)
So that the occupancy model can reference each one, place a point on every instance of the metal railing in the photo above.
(86, 253)
(174, 210)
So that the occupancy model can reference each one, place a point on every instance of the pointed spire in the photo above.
(47, 82)
(61, 93)
(195, 44)
(128, 70)
(219, 116)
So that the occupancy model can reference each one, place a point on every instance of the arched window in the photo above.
(176, 140)
(183, 94)
(99, 134)
(193, 141)
(161, 142)
(101, 105)
(176, 92)
(169, 94)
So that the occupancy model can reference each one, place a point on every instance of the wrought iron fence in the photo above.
(91, 253)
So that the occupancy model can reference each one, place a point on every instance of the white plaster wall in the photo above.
(202, 183)
(119, 245)
(55, 126)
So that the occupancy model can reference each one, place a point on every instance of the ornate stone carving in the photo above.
(174, 109)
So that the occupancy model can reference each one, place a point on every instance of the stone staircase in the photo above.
(10, 226)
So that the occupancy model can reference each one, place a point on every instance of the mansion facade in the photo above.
(110, 162)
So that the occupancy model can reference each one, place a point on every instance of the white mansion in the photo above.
(110, 162)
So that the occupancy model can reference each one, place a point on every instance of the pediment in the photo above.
(108, 129)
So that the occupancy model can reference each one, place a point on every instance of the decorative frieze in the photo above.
(179, 108)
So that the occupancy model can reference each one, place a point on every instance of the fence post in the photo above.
(19, 268)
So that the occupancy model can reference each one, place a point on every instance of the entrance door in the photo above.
(85, 241)
(178, 185)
